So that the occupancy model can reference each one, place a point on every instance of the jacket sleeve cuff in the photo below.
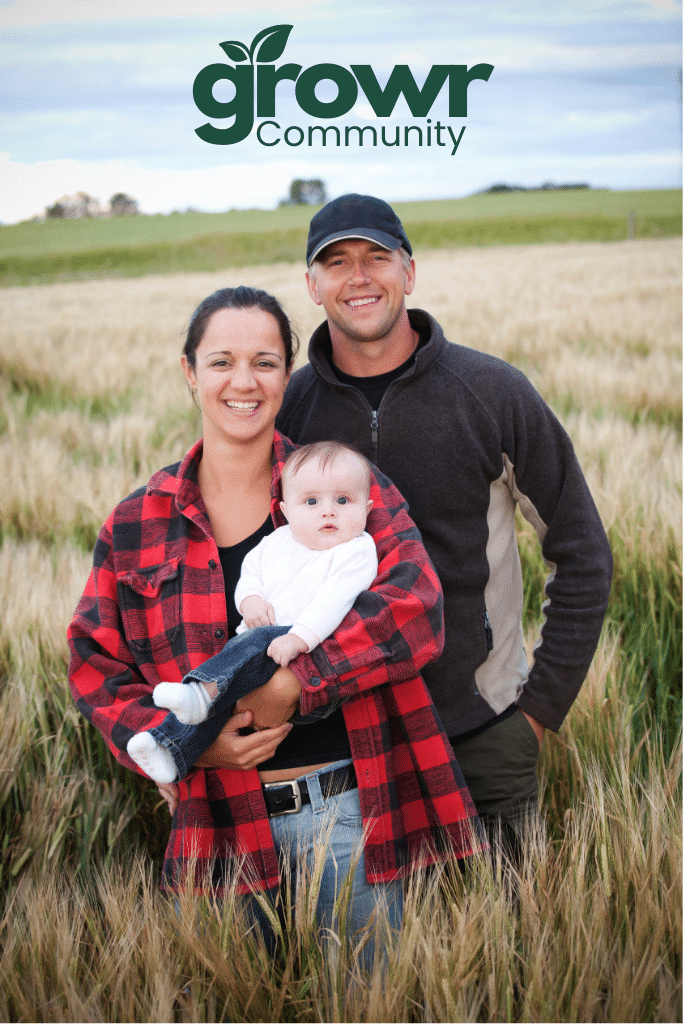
(317, 689)
(550, 718)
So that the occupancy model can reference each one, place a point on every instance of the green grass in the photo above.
(57, 236)
(645, 612)
(134, 246)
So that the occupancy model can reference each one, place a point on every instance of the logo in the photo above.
(256, 85)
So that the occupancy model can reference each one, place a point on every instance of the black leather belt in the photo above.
(290, 797)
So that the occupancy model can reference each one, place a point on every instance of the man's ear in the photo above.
(410, 279)
(313, 290)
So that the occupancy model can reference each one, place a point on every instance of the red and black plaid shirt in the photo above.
(154, 607)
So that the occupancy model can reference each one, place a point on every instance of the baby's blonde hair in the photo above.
(326, 452)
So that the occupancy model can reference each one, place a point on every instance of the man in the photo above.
(466, 439)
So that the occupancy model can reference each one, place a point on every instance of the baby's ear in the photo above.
(282, 508)
(368, 505)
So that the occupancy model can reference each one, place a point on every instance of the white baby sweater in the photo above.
(312, 590)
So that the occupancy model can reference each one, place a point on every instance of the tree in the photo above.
(74, 207)
(55, 212)
(306, 193)
(122, 205)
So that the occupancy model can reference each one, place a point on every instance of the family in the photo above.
(313, 621)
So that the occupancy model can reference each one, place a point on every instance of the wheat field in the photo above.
(92, 401)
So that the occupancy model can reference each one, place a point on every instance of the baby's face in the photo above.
(326, 507)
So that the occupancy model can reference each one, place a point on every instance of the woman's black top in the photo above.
(323, 741)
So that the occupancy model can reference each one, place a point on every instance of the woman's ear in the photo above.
(190, 375)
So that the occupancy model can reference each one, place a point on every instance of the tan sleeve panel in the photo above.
(501, 677)
(524, 504)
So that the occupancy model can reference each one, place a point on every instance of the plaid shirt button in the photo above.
(219, 634)
(212, 563)
(315, 681)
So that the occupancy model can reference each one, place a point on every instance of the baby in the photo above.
(308, 573)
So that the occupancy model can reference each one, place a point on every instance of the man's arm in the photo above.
(546, 480)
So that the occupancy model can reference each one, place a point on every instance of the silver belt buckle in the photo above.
(296, 792)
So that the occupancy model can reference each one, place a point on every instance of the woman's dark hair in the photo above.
(242, 297)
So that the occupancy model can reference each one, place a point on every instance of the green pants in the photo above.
(500, 769)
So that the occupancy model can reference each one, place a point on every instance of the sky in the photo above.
(99, 98)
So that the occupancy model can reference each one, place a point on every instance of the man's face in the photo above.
(361, 287)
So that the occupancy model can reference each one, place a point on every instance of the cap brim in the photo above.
(364, 234)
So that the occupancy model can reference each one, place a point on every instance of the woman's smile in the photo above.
(241, 406)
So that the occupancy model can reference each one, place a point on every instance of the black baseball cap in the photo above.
(355, 216)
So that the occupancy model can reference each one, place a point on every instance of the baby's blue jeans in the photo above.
(241, 667)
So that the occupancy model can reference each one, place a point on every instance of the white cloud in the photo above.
(43, 12)
(607, 121)
(366, 112)
(532, 53)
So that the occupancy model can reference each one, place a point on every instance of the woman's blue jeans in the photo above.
(241, 667)
(331, 828)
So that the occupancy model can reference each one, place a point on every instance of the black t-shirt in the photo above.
(374, 388)
(317, 743)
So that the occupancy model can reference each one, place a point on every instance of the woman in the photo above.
(159, 602)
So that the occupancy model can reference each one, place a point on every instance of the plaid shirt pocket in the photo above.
(149, 600)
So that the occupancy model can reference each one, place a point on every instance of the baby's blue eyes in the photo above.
(340, 501)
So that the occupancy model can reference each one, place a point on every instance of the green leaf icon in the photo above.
(273, 41)
(235, 50)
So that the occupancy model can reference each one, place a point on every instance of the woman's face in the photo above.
(239, 375)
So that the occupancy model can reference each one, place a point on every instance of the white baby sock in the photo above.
(189, 702)
(152, 758)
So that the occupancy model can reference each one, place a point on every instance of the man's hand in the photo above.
(539, 729)
(256, 612)
(284, 648)
(231, 750)
(275, 702)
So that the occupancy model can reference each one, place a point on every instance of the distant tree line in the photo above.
(548, 186)
(82, 205)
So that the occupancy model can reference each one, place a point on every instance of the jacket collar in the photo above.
(320, 347)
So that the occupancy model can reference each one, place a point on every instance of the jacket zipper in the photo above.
(489, 635)
(374, 436)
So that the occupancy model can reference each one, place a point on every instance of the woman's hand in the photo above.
(268, 710)
(169, 790)
(231, 750)
(274, 703)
